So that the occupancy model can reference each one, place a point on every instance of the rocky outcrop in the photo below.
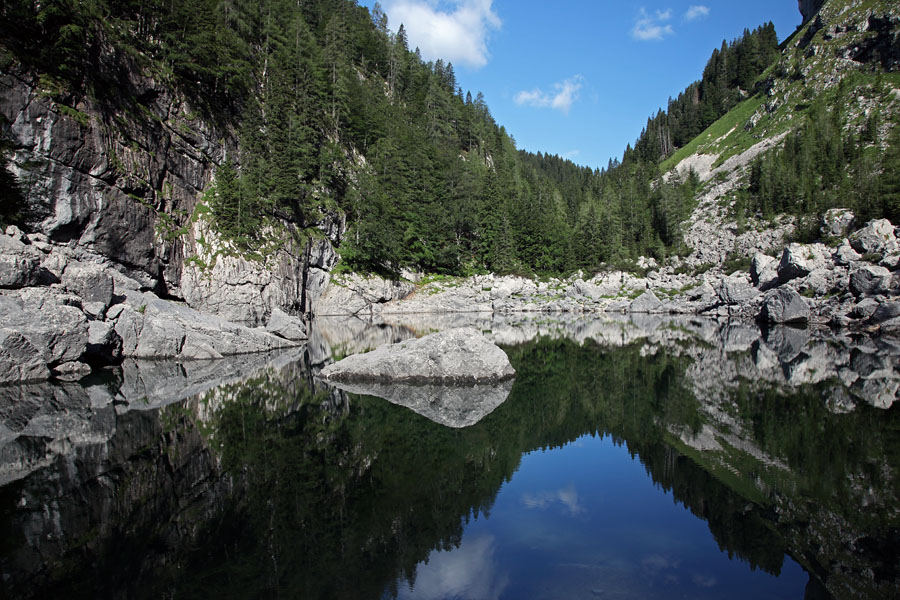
(154, 328)
(81, 312)
(130, 190)
(784, 305)
(456, 357)
(808, 8)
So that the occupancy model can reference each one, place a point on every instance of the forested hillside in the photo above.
(334, 115)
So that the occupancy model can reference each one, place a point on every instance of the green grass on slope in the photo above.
(721, 135)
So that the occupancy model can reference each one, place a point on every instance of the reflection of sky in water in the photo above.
(469, 573)
(586, 521)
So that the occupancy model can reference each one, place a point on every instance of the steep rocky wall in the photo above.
(99, 177)
(122, 178)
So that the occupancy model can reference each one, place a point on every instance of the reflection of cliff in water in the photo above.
(270, 484)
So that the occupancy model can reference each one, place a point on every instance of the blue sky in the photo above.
(578, 78)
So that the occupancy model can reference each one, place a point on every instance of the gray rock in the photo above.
(799, 260)
(845, 254)
(92, 282)
(885, 312)
(71, 371)
(39, 332)
(865, 308)
(646, 303)
(764, 271)
(836, 222)
(284, 325)
(456, 356)
(104, 343)
(154, 328)
(877, 237)
(736, 290)
(20, 265)
(784, 305)
(869, 280)
(891, 261)
(20, 360)
(454, 406)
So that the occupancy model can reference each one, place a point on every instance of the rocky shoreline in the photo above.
(851, 282)
(65, 311)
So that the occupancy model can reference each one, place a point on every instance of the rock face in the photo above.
(784, 305)
(154, 328)
(456, 357)
(128, 190)
(808, 8)
(38, 337)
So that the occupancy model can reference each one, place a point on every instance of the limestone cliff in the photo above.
(125, 181)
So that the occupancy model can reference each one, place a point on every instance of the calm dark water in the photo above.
(660, 460)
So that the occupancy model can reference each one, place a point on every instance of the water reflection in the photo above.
(450, 405)
(469, 572)
(220, 480)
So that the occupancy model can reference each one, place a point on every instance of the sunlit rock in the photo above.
(457, 356)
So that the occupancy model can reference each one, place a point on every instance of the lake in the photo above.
(630, 458)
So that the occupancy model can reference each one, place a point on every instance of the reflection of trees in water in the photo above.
(308, 494)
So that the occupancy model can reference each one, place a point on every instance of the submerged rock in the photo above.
(454, 406)
(457, 356)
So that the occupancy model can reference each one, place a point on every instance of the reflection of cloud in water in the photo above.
(468, 573)
(567, 496)
(704, 581)
(657, 562)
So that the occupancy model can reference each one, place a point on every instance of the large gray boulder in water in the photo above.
(456, 357)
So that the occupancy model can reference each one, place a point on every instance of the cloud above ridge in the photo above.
(456, 31)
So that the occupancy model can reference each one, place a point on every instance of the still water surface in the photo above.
(653, 459)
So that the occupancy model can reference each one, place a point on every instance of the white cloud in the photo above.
(696, 11)
(455, 30)
(649, 27)
(562, 100)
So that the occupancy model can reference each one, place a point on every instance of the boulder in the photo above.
(154, 328)
(885, 312)
(865, 308)
(285, 326)
(457, 356)
(869, 280)
(836, 222)
(784, 305)
(877, 237)
(799, 260)
(38, 333)
(764, 271)
(845, 254)
(92, 283)
(646, 303)
(20, 265)
(736, 290)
